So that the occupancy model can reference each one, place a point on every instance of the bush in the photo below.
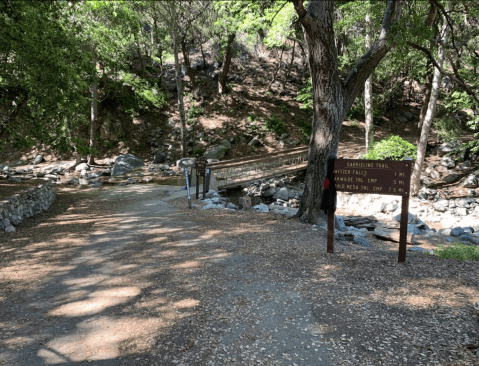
(459, 251)
(274, 124)
(392, 148)
(306, 128)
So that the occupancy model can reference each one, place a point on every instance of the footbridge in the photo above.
(234, 172)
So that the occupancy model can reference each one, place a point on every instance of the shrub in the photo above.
(393, 148)
(459, 251)
(306, 128)
(274, 124)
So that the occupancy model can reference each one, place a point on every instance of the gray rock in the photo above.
(39, 174)
(441, 205)
(159, 158)
(211, 193)
(408, 115)
(457, 231)
(444, 149)
(212, 206)
(292, 142)
(82, 166)
(269, 192)
(470, 182)
(216, 152)
(38, 159)
(465, 238)
(126, 163)
(339, 223)
(449, 239)
(420, 250)
(231, 206)
(282, 194)
(255, 141)
(448, 162)
(106, 172)
(9, 229)
(411, 228)
(226, 143)
(73, 181)
(131, 180)
(93, 175)
(261, 208)
(411, 219)
(402, 119)
(461, 211)
(361, 241)
(97, 184)
(6, 168)
(450, 177)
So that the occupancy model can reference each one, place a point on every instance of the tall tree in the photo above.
(368, 91)
(428, 118)
(332, 97)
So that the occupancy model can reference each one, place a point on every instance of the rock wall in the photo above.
(25, 204)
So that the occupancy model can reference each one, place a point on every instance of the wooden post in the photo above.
(331, 228)
(403, 228)
(197, 186)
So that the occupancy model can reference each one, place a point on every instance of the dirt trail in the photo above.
(129, 276)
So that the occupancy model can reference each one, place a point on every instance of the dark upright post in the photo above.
(403, 228)
(328, 203)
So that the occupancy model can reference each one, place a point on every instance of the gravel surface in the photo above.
(130, 276)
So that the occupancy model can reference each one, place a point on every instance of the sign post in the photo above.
(188, 187)
(200, 167)
(374, 177)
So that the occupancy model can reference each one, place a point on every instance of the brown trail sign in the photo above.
(367, 176)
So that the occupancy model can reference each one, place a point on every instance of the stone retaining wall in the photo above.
(25, 204)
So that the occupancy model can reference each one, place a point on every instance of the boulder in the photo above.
(9, 229)
(216, 152)
(269, 192)
(261, 208)
(441, 205)
(465, 238)
(448, 162)
(339, 223)
(450, 177)
(470, 182)
(38, 159)
(457, 231)
(411, 228)
(82, 166)
(226, 143)
(159, 158)
(126, 163)
(282, 194)
(444, 149)
(185, 163)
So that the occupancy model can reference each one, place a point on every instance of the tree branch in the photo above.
(303, 15)
(453, 77)
(354, 82)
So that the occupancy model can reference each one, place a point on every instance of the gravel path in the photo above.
(130, 276)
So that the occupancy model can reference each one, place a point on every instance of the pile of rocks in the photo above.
(121, 171)
(25, 204)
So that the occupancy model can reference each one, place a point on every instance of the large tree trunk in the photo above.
(332, 98)
(222, 87)
(179, 84)
(428, 119)
(426, 97)
(368, 95)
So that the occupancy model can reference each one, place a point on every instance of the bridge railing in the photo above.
(234, 172)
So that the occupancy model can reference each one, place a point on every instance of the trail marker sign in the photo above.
(367, 176)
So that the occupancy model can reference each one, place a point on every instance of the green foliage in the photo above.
(194, 111)
(448, 128)
(284, 108)
(305, 96)
(354, 123)
(274, 124)
(393, 148)
(146, 93)
(252, 117)
(306, 128)
(459, 251)
(198, 151)
(253, 127)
